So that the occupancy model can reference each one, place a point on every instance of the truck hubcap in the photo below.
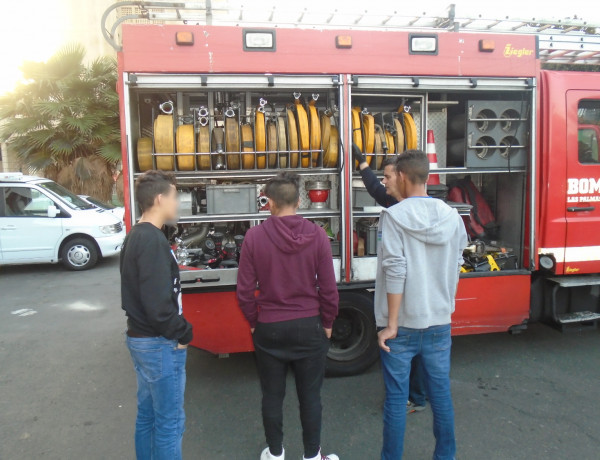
(79, 255)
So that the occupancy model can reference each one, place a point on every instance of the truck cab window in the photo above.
(588, 114)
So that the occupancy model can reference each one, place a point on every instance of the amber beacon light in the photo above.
(184, 38)
(487, 45)
(343, 41)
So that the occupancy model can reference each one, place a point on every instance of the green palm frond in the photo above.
(110, 152)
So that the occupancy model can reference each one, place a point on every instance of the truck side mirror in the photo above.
(53, 211)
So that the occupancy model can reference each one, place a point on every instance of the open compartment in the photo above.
(480, 136)
(224, 136)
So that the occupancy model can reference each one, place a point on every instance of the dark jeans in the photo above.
(416, 392)
(302, 345)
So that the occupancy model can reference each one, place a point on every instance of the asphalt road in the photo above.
(67, 387)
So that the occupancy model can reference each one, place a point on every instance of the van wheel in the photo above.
(79, 254)
(354, 338)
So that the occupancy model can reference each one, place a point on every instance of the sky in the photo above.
(35, 29)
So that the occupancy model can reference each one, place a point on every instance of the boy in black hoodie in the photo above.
(157, 332)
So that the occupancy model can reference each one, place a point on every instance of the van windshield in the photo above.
(70, 199)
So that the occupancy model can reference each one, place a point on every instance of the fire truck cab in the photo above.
(226, 107)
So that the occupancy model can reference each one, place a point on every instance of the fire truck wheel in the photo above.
(79, 254)
(354, 339)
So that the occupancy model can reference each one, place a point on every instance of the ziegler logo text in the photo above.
(509, 51)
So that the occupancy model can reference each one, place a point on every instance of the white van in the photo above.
(41, 222)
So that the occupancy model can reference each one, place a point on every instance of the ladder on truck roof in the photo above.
(568, 41)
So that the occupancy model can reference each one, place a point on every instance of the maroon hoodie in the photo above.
(290, 260)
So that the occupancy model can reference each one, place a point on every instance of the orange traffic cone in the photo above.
(434, 179)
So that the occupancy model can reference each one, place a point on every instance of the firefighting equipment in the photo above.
(185, 144)
(164, 142)
(292, 133)
(248, 146)
(232, 142)
(330, 158)
(144, 153)
(204, 147)
(411, 131)
(315, 131)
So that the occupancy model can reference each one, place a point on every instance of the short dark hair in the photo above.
(284, 189)
(389, 161)
(151, 184)
(415, 164)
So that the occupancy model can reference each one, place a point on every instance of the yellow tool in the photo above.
(411, 132)
(232, 143)
(398, 136)
(272, 143)
(378, 146)
(164, 142)
(185, 144)
(204, 147)
(248, 146)
(493, 265)
(282, 143)
(315, 131)
(303, 132)
(260, 140)
(357, 137)
(293, 138)
(368, 128)
(330, 158)
(144, 153)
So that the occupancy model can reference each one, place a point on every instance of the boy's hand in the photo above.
(252, 330)
(386, 334)
(328, 332)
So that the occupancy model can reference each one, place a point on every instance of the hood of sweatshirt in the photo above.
(291, 233)
(427, 219)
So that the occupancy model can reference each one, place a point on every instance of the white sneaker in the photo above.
(323, 457)
(266, 455)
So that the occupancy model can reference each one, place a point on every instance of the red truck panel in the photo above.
(491, 304)
(219, 325)
(485, 304)
(152, 48)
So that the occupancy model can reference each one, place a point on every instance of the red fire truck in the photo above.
(228, 106)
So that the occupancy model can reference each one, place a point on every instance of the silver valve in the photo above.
(203, 116)
(364, 111)
(261, 105)
(297, 95)
(166, 107)
(230, 113)
(315, 96)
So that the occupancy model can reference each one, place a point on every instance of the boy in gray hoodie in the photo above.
(421, 240)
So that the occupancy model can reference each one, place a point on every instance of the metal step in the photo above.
(578, 317)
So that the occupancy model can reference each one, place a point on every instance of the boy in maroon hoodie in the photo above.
(288, 260)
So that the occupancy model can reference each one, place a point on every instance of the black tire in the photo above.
(79, 254)
(354, 346)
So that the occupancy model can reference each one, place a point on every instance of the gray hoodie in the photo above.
(419, 254)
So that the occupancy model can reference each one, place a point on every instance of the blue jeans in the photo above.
(433, 346)
(160, 369)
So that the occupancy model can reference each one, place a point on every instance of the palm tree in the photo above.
(63, 120)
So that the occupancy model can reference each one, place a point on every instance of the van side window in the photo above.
(25, 202)
(588, 134)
